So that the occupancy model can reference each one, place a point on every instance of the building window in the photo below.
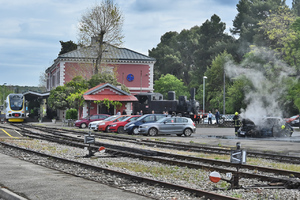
(58, 78)
(48, 85)
(53, 81)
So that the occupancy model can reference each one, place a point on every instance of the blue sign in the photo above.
(130, 77)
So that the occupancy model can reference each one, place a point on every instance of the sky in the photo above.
(30, 30)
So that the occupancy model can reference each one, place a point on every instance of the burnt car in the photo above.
(266, 127)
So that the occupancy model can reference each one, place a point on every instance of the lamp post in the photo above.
(224, 91)
(204, 77)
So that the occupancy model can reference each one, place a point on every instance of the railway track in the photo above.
(175, 159)
(197, 192)
(178, 146)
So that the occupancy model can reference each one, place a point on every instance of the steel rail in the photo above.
(198, 192)
(289, 183)
(191, 147)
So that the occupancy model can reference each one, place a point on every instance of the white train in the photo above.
(15, 108)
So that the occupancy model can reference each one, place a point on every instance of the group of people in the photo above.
(217, 116)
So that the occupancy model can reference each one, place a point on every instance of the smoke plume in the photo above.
(268, 76)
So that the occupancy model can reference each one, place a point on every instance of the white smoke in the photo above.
(268, 83)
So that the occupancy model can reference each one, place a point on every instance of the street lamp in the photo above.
(204, 77)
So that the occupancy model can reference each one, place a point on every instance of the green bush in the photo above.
(71, 114)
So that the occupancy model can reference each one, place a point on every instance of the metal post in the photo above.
(224, 92)
(204, 77)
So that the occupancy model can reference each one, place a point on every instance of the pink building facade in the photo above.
(132, 69)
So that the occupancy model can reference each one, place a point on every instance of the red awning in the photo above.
(111, 97)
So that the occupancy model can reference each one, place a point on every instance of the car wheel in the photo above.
(135, 131)
(152, 132)
(106, 129)
(83, 125)
(187, 132)
(121, 129)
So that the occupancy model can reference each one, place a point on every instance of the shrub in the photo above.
(71, 114)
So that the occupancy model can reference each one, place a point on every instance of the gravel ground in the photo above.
(180, 175)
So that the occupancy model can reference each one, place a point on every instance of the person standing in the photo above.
(118, 113)
(236, 123)
(217, 115)
(209, 117)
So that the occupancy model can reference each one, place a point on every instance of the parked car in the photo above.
(132, 127)
(84, 122)
(169, 125)
(265, 127)
(94, 125)
(294, 120)
(118, 127)
(103, 126)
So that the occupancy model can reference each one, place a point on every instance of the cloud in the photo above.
(31, 29)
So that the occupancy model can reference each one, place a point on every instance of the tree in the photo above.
(187, 55)
(58, 98)
(215, 82)
(104, 24)
(275, 29)
(250, 12)
(67, 47)
(296, 7)
(168, 83)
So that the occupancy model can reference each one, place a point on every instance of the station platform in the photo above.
(21, 180)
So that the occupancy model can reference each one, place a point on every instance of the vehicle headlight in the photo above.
(77, 121)
(131, 125)
(143, 126)
(113, 125)
(101, 124)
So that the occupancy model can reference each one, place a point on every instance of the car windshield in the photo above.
(111, 118)
(126, 118)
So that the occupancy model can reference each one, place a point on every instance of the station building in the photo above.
(132, 69)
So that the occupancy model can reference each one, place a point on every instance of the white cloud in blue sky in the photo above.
(30, 30)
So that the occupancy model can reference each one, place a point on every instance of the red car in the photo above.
(103, 126)
(84, 122)
(119, 126)
(291, 119)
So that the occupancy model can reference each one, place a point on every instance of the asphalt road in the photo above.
(226, 137)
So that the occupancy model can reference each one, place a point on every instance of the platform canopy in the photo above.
(29, 96)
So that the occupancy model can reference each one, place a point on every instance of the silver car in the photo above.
(169, 125)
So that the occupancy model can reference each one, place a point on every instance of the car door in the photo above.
(167, 126)
(179, 125)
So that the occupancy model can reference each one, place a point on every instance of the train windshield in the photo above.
(16, 102)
